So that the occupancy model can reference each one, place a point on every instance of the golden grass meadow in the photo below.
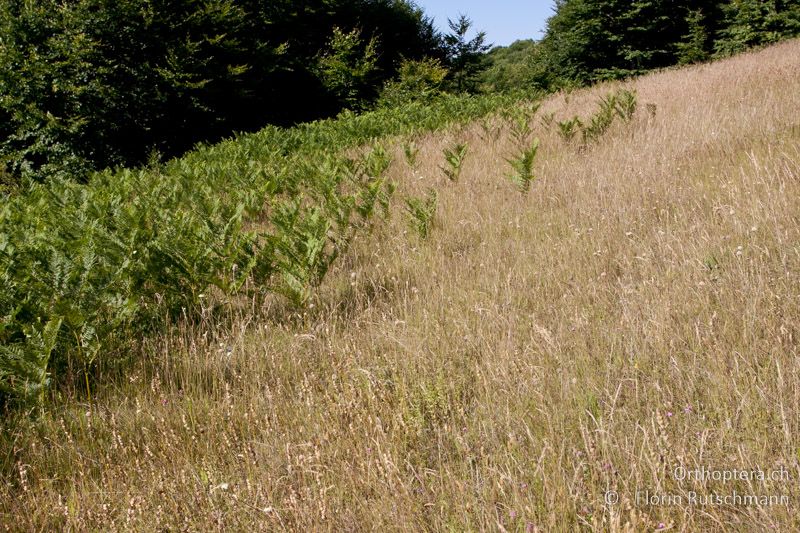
(599, 354)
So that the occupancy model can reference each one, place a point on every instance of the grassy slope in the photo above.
(637, 311)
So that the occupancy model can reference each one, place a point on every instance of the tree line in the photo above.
(88, 84)
(91, 84)
(593, 40)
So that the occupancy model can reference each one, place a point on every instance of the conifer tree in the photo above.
(692, 47)
(589, 40)
(466, 59)
(750, 23)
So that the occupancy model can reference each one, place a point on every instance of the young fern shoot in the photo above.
(569, 128)
(490, 132)
(522, 166)
(547, 120)
(520, 130)
(626, 104)
(421, 212)
(411, 151)
(602, 120)
(454, 157)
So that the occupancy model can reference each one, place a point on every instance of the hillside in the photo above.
(535, 358)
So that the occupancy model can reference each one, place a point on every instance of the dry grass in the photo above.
(637, 311)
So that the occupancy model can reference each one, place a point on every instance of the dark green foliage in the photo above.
(750, 23)
(510, 67)
(348, 67)
(95, 84)
(693, 47)
(465, 58)
(89, 84)
(592, 40)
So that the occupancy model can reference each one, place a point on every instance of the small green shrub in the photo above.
(346, 68)
(416, 81)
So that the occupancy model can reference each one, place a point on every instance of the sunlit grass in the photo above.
(635, 312)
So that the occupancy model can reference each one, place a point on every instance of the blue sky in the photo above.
(504, 21)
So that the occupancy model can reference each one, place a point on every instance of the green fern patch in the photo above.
(85, 270)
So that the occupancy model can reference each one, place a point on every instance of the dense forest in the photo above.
(91, 84)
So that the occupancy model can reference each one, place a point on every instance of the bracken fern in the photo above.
(454, 159)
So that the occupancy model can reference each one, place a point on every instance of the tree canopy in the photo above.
(592, 40)
(89, 84)
(465, 57)
(95, 83)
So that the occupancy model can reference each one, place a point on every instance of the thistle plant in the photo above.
(454, 158)
(421, 212)
(522, 166)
